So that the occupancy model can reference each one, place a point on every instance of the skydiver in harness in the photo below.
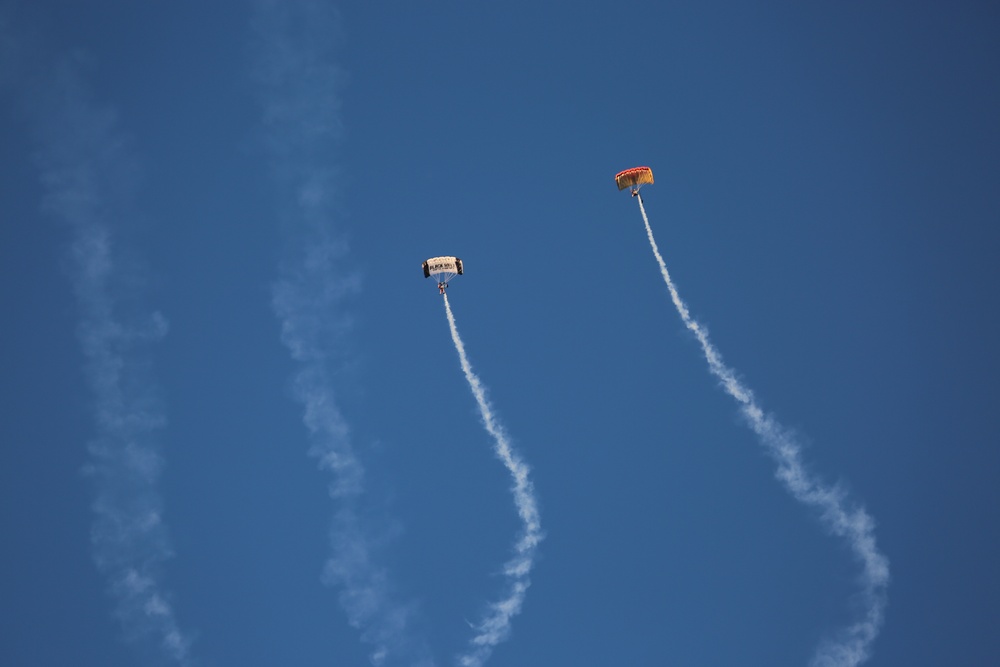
(442, 286)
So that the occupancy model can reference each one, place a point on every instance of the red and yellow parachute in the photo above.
(634, 178)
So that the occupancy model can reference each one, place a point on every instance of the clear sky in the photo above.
(235, 428)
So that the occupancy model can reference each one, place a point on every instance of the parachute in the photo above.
(444, 269)
(634, 178)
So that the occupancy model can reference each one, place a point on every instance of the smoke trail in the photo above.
(495, 627)
(300, 97)
(845, 520)
(85, 169)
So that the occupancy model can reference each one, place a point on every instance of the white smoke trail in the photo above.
(300, 97)
(852, 646)
(495, 627)
(85, 169)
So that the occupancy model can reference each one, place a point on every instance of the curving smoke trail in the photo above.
(841, 517)
(495, 627)
(86, 169)
(299, 90)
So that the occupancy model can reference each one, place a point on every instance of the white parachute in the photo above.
(444, 269)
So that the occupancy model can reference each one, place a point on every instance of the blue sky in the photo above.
(235, 427)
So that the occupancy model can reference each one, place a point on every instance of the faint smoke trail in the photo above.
(300, 97)
(84, 167)
(843, 519)
(496, 626)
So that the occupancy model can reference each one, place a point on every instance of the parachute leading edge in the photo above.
(444, 269)
(635, 178)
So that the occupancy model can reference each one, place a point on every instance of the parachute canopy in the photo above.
(443, 268)
(634, 177)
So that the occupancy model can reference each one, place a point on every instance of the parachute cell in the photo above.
(634, 178)
(443, 266)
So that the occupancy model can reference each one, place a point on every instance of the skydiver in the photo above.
(442, 287)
